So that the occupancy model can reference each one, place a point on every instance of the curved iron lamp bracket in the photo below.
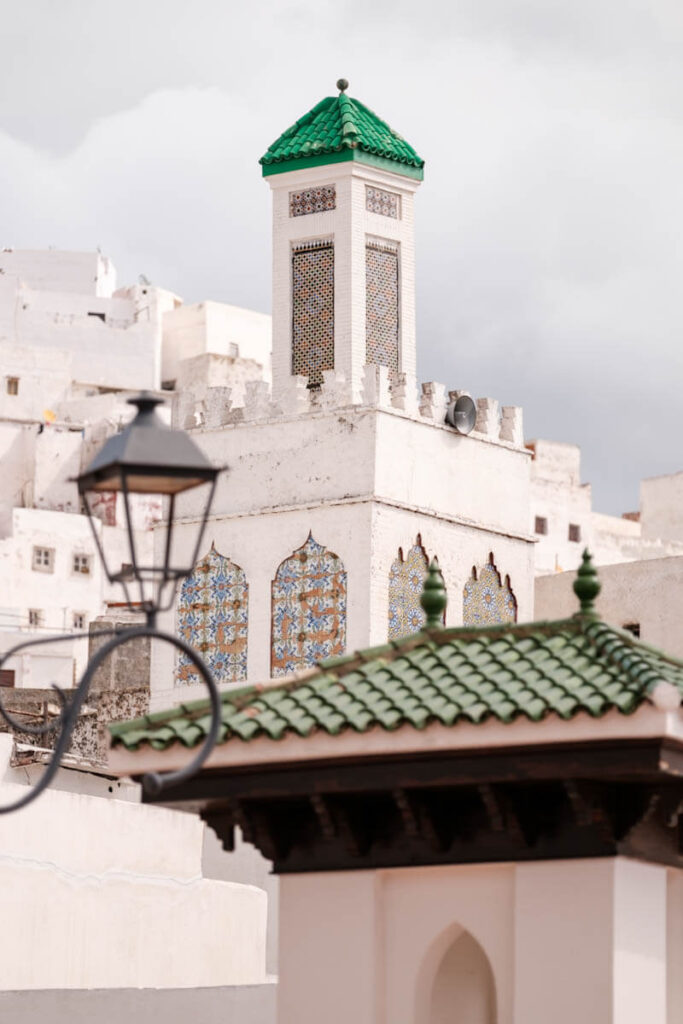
(153, 783)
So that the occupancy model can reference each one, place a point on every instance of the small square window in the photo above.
(82, 563)
(35, 617)
(574, 533)
(541, 525)
(633, 627)
(6, 677)
(43, 559)
(79, 620)
(12, 385)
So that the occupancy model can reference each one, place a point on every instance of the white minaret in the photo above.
(343, 186)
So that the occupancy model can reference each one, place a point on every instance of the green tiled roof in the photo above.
(341, 128)
(440, 675)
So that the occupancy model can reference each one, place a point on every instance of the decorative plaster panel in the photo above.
(213, 615)
(406, 579)
(488, 600)
(308, 609)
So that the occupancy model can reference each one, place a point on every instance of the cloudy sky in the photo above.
(548, 225)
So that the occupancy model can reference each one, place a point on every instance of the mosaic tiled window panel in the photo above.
(313, 311)
(213, 616)
(312, 200)
(381, 306)
(406, 579)
(488, 600)
(384, 203)
(308, 609)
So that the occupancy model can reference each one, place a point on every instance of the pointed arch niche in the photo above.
(463, 991)
(213, 616)
(406, 579)
(487, 598)
(308, 609)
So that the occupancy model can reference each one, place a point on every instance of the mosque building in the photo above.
(344, 479)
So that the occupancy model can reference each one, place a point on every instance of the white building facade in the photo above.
(564, 521)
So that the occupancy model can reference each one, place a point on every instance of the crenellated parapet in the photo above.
(380, 390)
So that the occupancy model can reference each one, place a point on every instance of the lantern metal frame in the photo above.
(164, 579)
(144, 452)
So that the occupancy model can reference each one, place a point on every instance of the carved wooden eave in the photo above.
(607, 796)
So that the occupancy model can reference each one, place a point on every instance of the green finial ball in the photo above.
(587, 585)
(433, 597)
(342, 84)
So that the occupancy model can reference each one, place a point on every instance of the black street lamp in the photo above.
(149, 458)
(146, 457)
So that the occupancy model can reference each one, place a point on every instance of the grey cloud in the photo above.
(547, 227)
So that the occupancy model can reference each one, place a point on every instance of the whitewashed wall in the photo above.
(649, 593)
(17, 447)
(57, 594)
(100, 892)
(214, 328)
(558, 496)
(124, 351)
(52, 270)
(203, 379)
(661, 504)
(605, 964)
(364, 482)
(44, 376)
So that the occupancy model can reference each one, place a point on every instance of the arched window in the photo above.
(463, 991)
(406, 579)
(308, 609)
(213, 616)
(487, 600)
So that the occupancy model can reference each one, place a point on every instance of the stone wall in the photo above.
(127, 667)
(90, 738)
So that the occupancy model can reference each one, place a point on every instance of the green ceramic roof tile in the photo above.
(340, 128)
(443, 675)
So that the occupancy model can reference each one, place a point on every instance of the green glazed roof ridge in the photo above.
(638, 667)
(340, 123)
(636, 643)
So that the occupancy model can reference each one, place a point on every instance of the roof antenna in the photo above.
(342, 84)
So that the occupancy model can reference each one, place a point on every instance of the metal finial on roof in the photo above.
(433, 597)
(342, 84)
(587, 585)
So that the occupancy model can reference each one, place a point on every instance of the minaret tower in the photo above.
(343, 245)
